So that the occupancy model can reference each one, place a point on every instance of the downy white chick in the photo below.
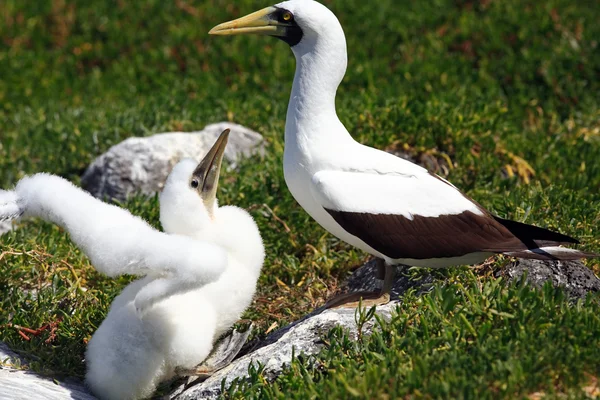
(200, 274)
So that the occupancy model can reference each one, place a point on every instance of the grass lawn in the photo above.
(505, 94)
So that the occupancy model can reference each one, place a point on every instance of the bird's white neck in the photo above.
(320, 67)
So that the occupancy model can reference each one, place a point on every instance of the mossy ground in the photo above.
(508, 91)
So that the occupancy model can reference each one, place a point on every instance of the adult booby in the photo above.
(382, 204)
(200, 274)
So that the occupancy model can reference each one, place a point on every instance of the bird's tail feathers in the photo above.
(552, 253)
(534, 235)
(10, 206)
(542, 244)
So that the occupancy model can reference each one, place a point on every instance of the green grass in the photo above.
(477, 340)
(506, 90)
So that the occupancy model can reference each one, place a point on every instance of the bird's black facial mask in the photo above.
(271, 21)
(293, 32)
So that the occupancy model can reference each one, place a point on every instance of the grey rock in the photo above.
(574, 276)
(18, 383)
(303, 336)
(9, 358)
(364, 278)
(142, 164)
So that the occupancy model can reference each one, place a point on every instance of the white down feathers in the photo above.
(200, 275)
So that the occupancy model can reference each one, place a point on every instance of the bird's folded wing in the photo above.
(116, 241)
(409, 216)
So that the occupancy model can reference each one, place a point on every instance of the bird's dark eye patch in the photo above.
(194, 183)
(293, 34)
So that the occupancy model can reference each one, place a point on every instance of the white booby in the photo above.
(200, 274)
(380, 203)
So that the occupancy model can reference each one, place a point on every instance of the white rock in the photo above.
(302, 337)
(23, 384)
(142, 164)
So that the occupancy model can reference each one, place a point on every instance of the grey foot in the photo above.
(354, 299)
(367, 298)
(221, 356)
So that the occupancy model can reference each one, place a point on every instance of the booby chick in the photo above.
(380, 203)
(200, 274)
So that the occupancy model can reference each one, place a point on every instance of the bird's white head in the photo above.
(319, 44)
(305, 25)
(188, 201)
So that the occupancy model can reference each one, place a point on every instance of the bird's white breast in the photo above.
(300, 163)
(344, 175)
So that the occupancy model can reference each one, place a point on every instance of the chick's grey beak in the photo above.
(207, 172)
(262, 22)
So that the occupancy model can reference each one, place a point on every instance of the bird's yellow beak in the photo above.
(262, 22)
(207, 172)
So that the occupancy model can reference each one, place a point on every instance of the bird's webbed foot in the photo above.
(367, 298)
(221, 356)
(356, 299)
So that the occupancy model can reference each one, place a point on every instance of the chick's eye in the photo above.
(287, 16)
(194, 183)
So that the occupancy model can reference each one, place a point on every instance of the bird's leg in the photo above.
(221, 355)
(389, 272)
(367, 298)
(380, 269)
